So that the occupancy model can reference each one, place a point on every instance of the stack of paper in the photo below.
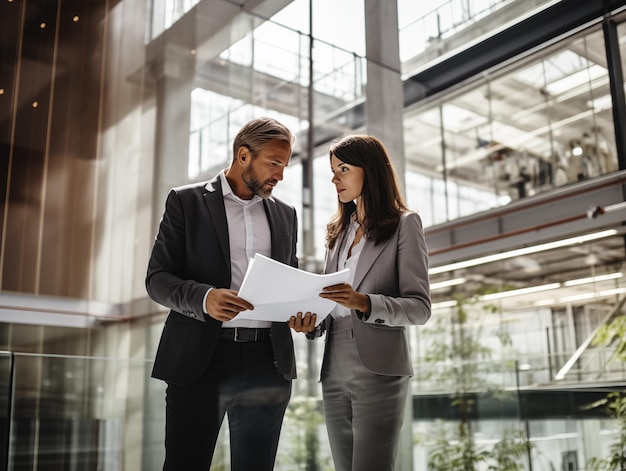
(278, 291)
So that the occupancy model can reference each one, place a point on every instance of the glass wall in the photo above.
(6, 365)
(542, 123)
(70, 412)
(509, 336)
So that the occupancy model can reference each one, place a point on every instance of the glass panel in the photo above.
(325, 201)
(6, 364)
(339, 81)
(553, 120)
(164, 13)
(564, 132)
(545, 124)
(452, 25)
(271, 66)
(465, 406)
(467, 187)
(78, 412)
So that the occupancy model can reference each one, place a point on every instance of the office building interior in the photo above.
(505, 121)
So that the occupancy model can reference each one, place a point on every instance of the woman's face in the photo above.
(348, 179)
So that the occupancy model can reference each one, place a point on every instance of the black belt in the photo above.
(245, 334)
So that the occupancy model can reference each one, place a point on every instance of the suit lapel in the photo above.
(369, 254)
(270, 211)
(278, 250)
(214, 200)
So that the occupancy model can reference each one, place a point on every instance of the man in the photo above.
(215, 364)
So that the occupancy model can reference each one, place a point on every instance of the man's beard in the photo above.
(255, 186)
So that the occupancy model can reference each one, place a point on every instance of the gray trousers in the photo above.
(363, 410)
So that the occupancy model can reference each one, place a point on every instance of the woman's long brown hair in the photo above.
(382, 200)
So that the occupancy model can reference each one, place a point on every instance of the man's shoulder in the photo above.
(281, 204)
(195, 186)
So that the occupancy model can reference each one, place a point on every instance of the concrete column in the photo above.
(384, 107)
(174, 83)
(384, 103)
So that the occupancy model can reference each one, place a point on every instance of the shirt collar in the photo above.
(353, 221)
(228, 192)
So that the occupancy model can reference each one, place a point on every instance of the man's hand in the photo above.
(224, 304)
(301, 323)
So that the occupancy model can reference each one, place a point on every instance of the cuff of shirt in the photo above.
(204, 300)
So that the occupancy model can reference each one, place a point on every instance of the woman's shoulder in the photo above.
(410, 214)
(411, 218)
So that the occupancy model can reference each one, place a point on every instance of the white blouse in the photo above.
(350, 262)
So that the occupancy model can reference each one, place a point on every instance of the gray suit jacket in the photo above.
(191, 253)
(394, 274)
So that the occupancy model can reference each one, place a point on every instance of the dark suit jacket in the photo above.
(191, 254)
(394, 274)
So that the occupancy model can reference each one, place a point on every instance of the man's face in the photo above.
(266, 169)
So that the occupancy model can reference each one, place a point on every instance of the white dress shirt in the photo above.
(248, 234)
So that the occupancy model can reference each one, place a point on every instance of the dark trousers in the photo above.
(242, 382)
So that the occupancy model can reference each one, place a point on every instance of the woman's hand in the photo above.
(301, 323)
(344, 294)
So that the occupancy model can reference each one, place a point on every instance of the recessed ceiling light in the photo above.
(523, 251)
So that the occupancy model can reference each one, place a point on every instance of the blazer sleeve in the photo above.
(168, 281)
(411, 304)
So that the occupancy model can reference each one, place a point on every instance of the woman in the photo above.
(366, 366)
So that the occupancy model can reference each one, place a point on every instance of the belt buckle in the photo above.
(237, 339)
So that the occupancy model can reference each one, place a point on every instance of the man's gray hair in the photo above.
(258, 132)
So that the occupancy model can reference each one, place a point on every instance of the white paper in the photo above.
(278, 291)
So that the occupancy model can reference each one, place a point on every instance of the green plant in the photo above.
(615, 406)
(303, 418)
(614, 403)
(507, 454)
(452, 453)
(460, 355)
(613, 332)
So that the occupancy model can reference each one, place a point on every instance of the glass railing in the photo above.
(482, 412)
(423, 25)
(419, 28)
(106, 414)
(81, 413)
(6, 366)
